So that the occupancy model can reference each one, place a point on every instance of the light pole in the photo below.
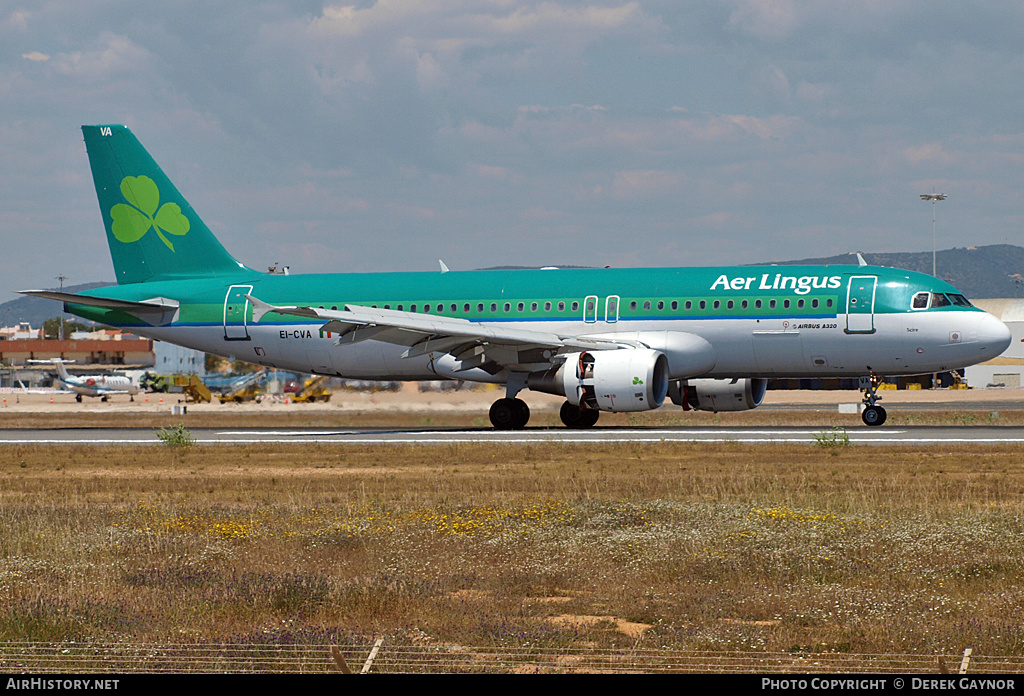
(61, 277)
(934, 198)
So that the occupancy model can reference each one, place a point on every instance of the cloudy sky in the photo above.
(372, 136)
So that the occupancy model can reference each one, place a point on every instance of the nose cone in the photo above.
(993, 337)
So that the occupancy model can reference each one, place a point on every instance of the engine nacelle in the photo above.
(719, 394)
(633, 379)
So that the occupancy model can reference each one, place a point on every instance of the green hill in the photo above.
(982, 272)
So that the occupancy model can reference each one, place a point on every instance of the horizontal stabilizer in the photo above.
(158, 311)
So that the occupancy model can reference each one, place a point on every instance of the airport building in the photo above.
(24, 352)
(1008, 369)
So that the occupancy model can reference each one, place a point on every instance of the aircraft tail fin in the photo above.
(62, 371)
(152, 231)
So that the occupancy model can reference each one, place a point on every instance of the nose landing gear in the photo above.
(872, 415)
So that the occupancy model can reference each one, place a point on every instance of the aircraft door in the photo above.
(611, 309)
(860, 304)
(590, 309)
(236, 306)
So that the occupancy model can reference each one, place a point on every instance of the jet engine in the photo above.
(634, 379)
(718, 394)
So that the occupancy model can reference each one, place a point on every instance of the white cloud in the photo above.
(110, 54)
(765, 19)
(929, 153)
(628, 185)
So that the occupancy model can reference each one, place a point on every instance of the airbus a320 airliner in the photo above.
(605, 339)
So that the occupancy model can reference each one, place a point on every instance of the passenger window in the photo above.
(647, 304)
(547, 306)
(785, 304)
(661, 304)
(494, 306)
(800, 304)
(717, 304)
(575, 306)
(508, 306)
(757, 304)
(632, 305)
(533, 306)
(771, 304)
(675, 305)
(688, 305)
(921, 300)
(814, 303)
(521, 306)
(465, 307)
(729, 304)
(561, 306)
(703, 304)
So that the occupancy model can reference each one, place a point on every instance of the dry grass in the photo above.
(724, 547)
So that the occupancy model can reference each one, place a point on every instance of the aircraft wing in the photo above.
(474, 343)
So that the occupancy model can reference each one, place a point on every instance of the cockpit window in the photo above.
(940, 300)
(960, 300)
(921, 300)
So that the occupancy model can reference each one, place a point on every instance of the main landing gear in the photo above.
(575, 417)
(872, 415)
(509, 414)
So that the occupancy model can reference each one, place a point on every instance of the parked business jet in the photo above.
(102, 386)
(605, 339)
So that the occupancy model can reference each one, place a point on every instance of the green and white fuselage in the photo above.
(861, 321)
(526, 329)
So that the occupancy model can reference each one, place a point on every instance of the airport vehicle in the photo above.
(102, 386)
(196, 392)
(243, 389)
(605, 339)
(313, 389)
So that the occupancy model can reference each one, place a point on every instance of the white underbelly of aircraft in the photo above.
(769, 348)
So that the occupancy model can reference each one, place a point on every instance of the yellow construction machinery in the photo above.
(196, 392)
(313, 390)
(245, 388)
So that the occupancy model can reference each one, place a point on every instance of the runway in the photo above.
(908, 435)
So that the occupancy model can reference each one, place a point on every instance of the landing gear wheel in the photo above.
(873, 415)
(575, 417)
(522, 414)
(78, 398)
(509, 414)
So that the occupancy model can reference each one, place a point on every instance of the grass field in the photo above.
(725, 547)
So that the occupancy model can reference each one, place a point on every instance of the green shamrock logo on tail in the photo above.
(132, 222)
